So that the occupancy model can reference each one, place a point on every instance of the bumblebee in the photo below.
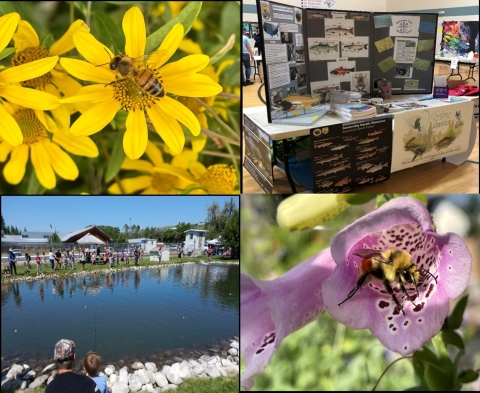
(388, 266)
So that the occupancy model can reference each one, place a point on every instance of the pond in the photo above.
(146, 315)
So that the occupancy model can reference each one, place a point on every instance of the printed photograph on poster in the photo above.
(299, 40)
(411, 84)
(339, 71)
(271, 31)
(294, 73)
(276, 96)
(302, 80)
(317, 14)
(278, 75)
(258, 157)
(405, 49)
(275, 53)
(384, 44)
(290, 53)
(361, 82)
(382, 21)
(300, 56)
(355, 47)
(265, 6)
(323, 49)
(360, 16)
(403, 72)
(405, 25)
(286, 38)
(335, 28)
(298, 15)
(320, 87)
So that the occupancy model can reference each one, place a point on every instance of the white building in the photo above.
(194, 240)
(146, 244)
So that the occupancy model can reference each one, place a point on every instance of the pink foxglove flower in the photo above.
(403, 223)
(271, 310)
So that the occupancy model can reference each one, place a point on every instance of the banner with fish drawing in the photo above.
(437, 131)
(351, 155)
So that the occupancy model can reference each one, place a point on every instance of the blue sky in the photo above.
(69, 213)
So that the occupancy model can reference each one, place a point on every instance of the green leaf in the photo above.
(6, 7)
(466, 376)
(48, 41)
(415, 389)
(116, 159)
(34, 187)
(191, 188)
(230, 19)
(456, 317)
(437, 379)
(359, 199)
(222, 52)
(421, 197)
(109, 31)
(7, 52)
(124, 2)
(381, 199)
(452, 338)
(426, 355)
(419, 369)
(186, 17)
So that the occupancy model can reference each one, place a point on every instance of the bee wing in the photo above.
(370, 253)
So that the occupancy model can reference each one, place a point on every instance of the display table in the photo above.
(472, 64)
(450, 130)
(256, 59)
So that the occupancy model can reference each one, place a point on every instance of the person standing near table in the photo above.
(58, 260)
(258, 42)
(12, 260)
(51, 258)
(247, 56)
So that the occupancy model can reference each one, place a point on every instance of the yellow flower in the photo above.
(114, 92)
(183, 175)
(10, 90)
(46, 156)
(177, 6)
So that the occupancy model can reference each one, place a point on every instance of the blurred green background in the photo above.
(326, 355)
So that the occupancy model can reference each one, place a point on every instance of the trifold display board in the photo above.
(315, 51)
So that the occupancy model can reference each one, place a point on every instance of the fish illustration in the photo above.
(365, 166)
(326, 184)
(355, 47)
(417, 124)
(339, 147)
(339, 162)
(376, 168)
(359, 17)
(365, 180)
(367, 149)
(444, 142)
(333, 170)
(342, 71)
(350, 138)
(368, 140)
(382, 149)
(325, 89)
(380, 178)
(317, 16)
(323, 48)
(374, 133)
(294, 102)
(416, 150)
(323, 144)
(339, 30)
(343, 182)
(367, 155)
(333, 158)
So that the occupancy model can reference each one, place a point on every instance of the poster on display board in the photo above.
(431, 133)
(403, 51)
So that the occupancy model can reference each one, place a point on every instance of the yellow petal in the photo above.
(62, 119)
(181, 113)
(26, 36)
(92, 93)
(202, 119)
(65, 43)
(168, 47)
(136, 136)
(91, 49)
(198, 144)
(8, 24)
(154, 153)
(87, 72)
(195, 85)
(41, 163)
(78, 145)
(15, 168)
(46, 120)
(184, 158)
(9, 130)
(168, 129)
(137, 165)
(5, 149)
(29, 98)
(197, 169)
(27, 71)
(96, 118)
(224, 64)
(179, 172)
(62, 163)
(190, 47)
(187, 65)
(135, 35)
(131, 185)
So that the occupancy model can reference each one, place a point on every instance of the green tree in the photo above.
(3, 224)
(168, 236)
(231, 234)
(55, 238)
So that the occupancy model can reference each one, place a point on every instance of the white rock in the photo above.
(151, 367)
(197, 370)
(123, 376)
(203, 375)
(234, 345)
(161, 379)
(142, 376)
(38, 381)
(150, 376)
(50, 379)
(212, 371)
(119, 387)
(181, 369)
(113, 378)
(149, 388)
(226, 362)
(205, 358)
(158, 390)
(23, 386)
(232, 370)
(171, 375)
(49, 367)
(193, 363)
(169, 387)
(221, 370)
(14, 371)
(213, 360)
(137, 365)
(233, 351)
(134, 383)
(30, 374)
(109, 370)
(25, 366)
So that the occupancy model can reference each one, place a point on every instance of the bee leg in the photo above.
(405, 292)
(360, 282)
(390, 291)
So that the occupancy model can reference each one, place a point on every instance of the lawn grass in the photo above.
(47, 270)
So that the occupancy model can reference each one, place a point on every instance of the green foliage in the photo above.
(54, 238)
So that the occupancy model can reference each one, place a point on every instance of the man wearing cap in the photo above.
(12, 259)
(66, 380)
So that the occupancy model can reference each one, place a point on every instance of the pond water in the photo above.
(146, 315)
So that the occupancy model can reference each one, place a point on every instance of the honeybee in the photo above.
(143, 78)
(388, 266)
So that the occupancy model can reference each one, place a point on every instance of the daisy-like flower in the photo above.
(404, 224)
(271, 310)
(47, 157)
(183, 173)
(114, 92)
(10, 90)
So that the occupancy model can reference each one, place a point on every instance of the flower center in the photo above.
(28, 55)
(131, 95)
(32, 129)
(164, 183)
(219, 179)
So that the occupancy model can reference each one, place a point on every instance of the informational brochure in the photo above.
(405, 49)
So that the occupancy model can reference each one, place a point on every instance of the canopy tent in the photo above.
(90, 239)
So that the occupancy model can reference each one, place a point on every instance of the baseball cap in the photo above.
(64, 350)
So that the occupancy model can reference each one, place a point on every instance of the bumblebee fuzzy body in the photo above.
(388, 266)
(143, 78)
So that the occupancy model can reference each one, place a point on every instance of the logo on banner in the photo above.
(404, 26)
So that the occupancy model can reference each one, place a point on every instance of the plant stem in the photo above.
(89, 12)
(391, 364)
(222, 123)
(214, 135)
(228, 95)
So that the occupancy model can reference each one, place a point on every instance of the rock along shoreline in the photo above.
(138, 377)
